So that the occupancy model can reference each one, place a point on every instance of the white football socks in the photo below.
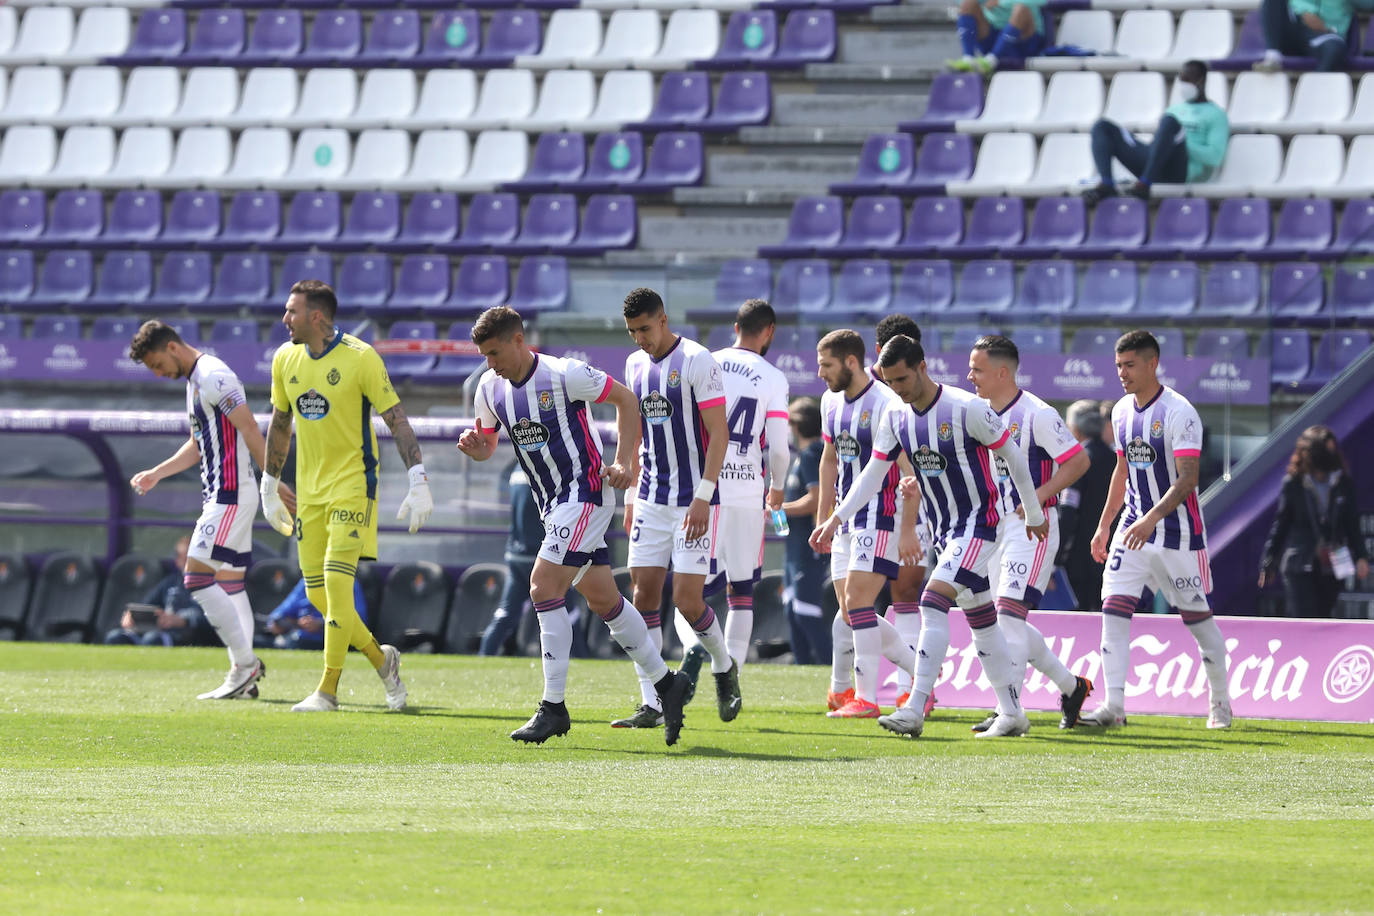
(555, 645)
(224, 617)
(1213, 648)
(841, 655)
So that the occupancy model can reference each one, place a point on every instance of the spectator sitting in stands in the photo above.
(995, 30)
(179, 622)
(296, 624)
(1188, 145)
(1306, 28)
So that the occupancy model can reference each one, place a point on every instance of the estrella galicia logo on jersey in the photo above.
(546, 400)
(529, 435)
(333, 377)
(674, 378)
(1003, 470)
(945, 431)
(656, 408)
(196, 428)
(312, 405)
(847, 447)
(865, 418)
(1139, 453)
(1157, 428)
(929, 463)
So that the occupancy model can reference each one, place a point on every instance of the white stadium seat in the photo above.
(1065, 162)
(1252, 161)
(151, 96)
(1201, 35)
(1141, 36)
(386, 96)
(45, 33)
(101, 32)
(1005, 160)
(87, 154)
(1135, 100)
(1258, 102)
(1313, 166)
(27, 152)
(565, 98)
(446, 97)
(1094, 29)
(35, 95)
(691, 35)
(93, 96)
(1357, 180)
(498, 156)
(9, 26)
(571, 35)
(145, 155)
(1360, 120)
(322, 156)
(269, 96)
(202, 157)
(506, 95)
(1320, 100)
(1073, 101)
(626, 96)
(380, 156)
(1014, 97)
(211, 95)
(441, 157)
(328, 96)
(630, 34)
(263, 154)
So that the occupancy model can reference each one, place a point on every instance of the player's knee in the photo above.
(686, 597)
(1021, 18)
(968, 7)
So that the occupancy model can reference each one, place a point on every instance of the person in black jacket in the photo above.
(1315, 538)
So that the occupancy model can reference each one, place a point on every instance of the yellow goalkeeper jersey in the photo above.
(331, 397)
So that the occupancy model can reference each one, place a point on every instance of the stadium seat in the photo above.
(66, 278)
(23, 215)
(1296, 290)
(64, 599)
(1169, 290)
(414, 608)
(218, 37)
(953, 97)
(943, 158)
(78, 217)
(1358, 178)
(277, 38)
(328, 96)
(1093, 30)
(254, 217)
(135, 219)
(453, 37)
(510, 34)
(474, 601)
(151, 96)
(374, 218)
(234, 330)
(481, 282)
(886, 162)
(742, 100)
(268, 582)
(1259, 102)
(263, 155)
(300, 266)
(994, 223)
(506, 95)
(387, 99)
(625, 96)
(864, 287)
(56, 327)
(446, 97)
(1047, 287)
(1249, 46)
(802, 286)
(422, 282)
(270, 96)
(985, 287)
(1087, 341)
(1356, 229)
(1040, 340)
(1201, 34)
(312, 217)
(1181, 227)
(751, 36)
(364, 282)
(935, 225)
(35, 94)
(816, 224)
(1321, 101)
(924, 287)
(551, 221)
(1360, 119)
(441, 158)
(493, 219)
(202, 156)
(1057, 224)
(17, 279)
(322, 156)
(336, 37)
(808, 37)
(690, 35)
(1253, 162)
(1352, 293)
(541, 284)
(1065, 161)
(573, 34)
(1335, 352)
(1005, 160)
(1119, 226)
(186, 278)
(566, 98)
(498, 156)
(609, 221)
(1290, 355)
(1226, 343)
(125, 279)
(242, 280)
(1141, 36)
(684, 100)
(458, 367)
(1241, 228)
(45, 33)
(380, 159)
(741, 279)
(1230, 290)
(159, 37)
(1303, 229)
(93, 96)
(406, 365)
(1110, 288)
(1135, 100)
(677, 159)
(86, 156)
(1313, 166)
(1073, 101)
(1014, 99)
(394, 38)
(431, 218)
(630, 35)
(616, 161)
(874, 225)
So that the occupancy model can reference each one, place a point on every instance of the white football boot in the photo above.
(390, 673)
(317, 702)
(1005, 726)
(238, 683)
(1220, 716)
(1103, 717)
(904, 721)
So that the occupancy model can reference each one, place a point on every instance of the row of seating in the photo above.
(233, 282)
(315, 219)
(1059, 226)
(993, 287)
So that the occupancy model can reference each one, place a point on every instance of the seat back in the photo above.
(268, 582)
(129, 580)
(414, 607)
(475, 599)
(16, 580)
(64, 599)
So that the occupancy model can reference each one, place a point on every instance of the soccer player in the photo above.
(330, 382)
(756, 414)
(950, 437)
(1023, 566)
(224, 435)
(868, 550)
(1161, 542)
(541, 402)
(683, 440)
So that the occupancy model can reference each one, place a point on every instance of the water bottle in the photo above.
(780, 525)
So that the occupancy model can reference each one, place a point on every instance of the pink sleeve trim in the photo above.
(826, 438)
(1006, 434)
(1120, 453)
(779, 414)
(881, 456)
(1187, 452)
(1077, 447)
(607, 390)
(714, 402)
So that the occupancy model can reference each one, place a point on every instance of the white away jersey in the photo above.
(754, 391)
(850, 427)
(1151, 438)
(545, 416)
(672, 392)
(212, 391)
(1040, 433)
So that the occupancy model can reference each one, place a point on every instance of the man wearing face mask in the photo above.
(1188, 146)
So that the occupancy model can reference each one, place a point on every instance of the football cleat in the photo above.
(856, 708)
(550, 720)
(673, 699)
(930, 704)
(643, 717)
(905, 721)
(692, 660)
(902, 698)
(729, 701)
(317, 702)
(983, 726)
(1071, 704)
(390, 673)
(835, 700)
(237, 681)
(1103, 717)
(1006, 727)
(1220, 716)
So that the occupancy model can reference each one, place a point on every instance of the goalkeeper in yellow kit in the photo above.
(330, 382)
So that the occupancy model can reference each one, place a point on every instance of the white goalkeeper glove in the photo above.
(273, 509)
(418, 503)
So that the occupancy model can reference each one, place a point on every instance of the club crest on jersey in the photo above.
(546, 400)
(656, 408)
(945, 431)
(1157, 428)
(312, 405)
(847, 447)
(529, 435)
(929, 463)
(1014, 429)
(674, 378)
(333, 377)
(865, 418)
(1139, 453)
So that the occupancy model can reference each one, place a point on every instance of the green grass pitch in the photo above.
(121, 793)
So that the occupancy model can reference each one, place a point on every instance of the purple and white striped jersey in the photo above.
(545, 416)
(754, 391)
(1151, 438)
(212, 391)
(850, 427)
(1040, 433)
(950, 444)
(672, 392)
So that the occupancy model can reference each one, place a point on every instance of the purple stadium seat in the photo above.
(1290, 355)
(924, 287)
(995, 223)
(301, 266)
(1352, 293)
(1241, 228)
(56, 327)
(113, 327)
(864, 288)
(1170, 343)
(1304, 229)
(244, 279)
(277, 38)
(11, 327)
(482, 281)
(1249, 45)
(743, 100)
(1169, 290)
(336, 37)
(254, 218)
(719, 337)
(421, 283)
(23, 215)
(314, 217)
(953, 97)
(1230, 343)
(1356, 230)
(943, 158)
(394, 37)
(1040, 339)
(1109, 288)
(936, 224)
(510, 33)
(684, 100)
(751, 37)
(218, 37)
(159, 36)
(192, 218)
(617, 161)
(431, 219)
(1093, 341)
(125, 278)
(1057, 226)
(456, 368)
(188, 328)
(1118, 227)
(609, 221)
(960, 338)
(374, 217)
(493, 219)
(1181, 227)
(677, 159)
(874, 226)
(185, 278)
(66, 278)
(984, 287)
(78, 217)
(135, 220)
(541, 285)
(234, 331)
(1335, 351)
(803, 286)
(404, 365)
(551, 221)
(739, 280)
(453, 35)
(808, 37)
(1296, 290)
(16, 277)
(364, 282)
(885, 164)
(1230, 289)
(817, 223)
(559, 158)
(1048, 287)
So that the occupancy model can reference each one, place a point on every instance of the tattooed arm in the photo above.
(278, 442)
(406, 442)
(1188, 468)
